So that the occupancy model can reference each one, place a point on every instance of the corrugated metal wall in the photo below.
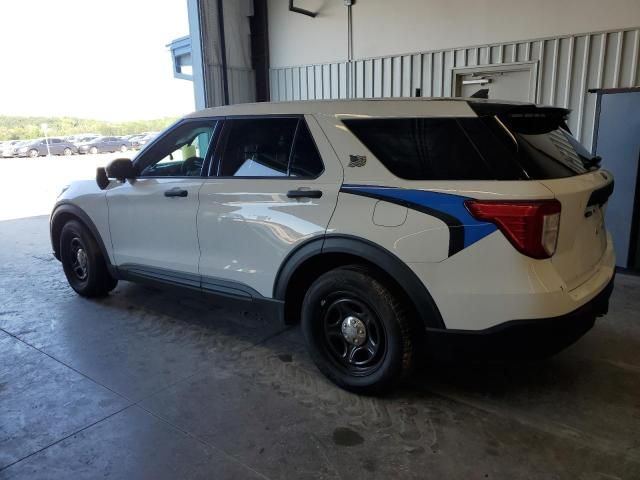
(567, 67)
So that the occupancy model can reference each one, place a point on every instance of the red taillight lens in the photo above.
(531, 227)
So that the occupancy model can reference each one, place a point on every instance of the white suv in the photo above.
(388, 227)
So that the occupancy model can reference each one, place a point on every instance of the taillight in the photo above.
(531, 226)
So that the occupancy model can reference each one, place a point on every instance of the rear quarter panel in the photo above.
(486, 282)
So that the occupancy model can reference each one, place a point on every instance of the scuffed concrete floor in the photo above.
(144, 384)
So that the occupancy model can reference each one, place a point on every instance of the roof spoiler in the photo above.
(527, 119)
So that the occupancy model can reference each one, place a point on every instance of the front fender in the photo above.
(87, 203)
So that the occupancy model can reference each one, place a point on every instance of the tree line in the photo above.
(22, 128)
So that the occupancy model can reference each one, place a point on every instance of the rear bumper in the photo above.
(520, 339)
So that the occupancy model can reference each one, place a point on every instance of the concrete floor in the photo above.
(144, 384)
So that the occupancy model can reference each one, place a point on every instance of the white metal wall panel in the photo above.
(568, 66)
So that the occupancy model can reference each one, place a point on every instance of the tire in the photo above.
(93, 150)
(83, 263)
(370, 354)
(67, 151)
(123, 148)
(33, 153)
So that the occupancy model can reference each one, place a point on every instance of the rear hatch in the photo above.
(548, 153)
(582, 238)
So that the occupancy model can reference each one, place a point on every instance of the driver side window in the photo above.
(180, 153)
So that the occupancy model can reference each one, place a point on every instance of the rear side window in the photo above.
(472, 148)
(422, 148)
(268, 147)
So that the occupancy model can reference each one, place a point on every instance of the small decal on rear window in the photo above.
(357, 160)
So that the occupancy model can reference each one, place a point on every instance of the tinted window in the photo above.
(552, 155)
(496, 145)
(180, 153)
(305, 159)
(422, 148)
(257, 147)
(473, 148)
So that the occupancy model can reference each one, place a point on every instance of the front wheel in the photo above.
(357, 331)
(33, 153)
(123, 148)
(67, 151)
(83, 263)
(93, 150)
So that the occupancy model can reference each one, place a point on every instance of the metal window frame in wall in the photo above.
(530, 67)
(567, 67)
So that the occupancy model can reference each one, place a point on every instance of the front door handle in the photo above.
(176, 192)
(304, 194)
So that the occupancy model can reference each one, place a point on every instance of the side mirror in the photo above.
(101, 178)
(121, 169)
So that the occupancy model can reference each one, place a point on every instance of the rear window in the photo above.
(499, 147)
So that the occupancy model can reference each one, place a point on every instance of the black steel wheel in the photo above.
(354, 336)
(82, 261)
(357, 331)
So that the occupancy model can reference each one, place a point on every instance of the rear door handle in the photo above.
(304, 194)
(176, 192)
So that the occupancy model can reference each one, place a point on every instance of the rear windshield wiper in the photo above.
(592, 163)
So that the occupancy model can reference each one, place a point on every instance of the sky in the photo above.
(104, 60)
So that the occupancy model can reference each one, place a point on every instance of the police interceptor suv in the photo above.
(389, 228)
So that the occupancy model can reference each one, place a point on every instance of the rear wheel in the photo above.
(83, 263)
(357, 332)
(123, 148)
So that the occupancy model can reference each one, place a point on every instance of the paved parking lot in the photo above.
(146, 384)
(29, 186)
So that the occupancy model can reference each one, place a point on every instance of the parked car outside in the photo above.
(9, 148)
(42, 146)
(81, 138)
(104, 144)
(390, 229)
(134, 140)
(146, 139)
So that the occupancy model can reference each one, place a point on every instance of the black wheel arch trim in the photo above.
(72, 209)
(371, 252)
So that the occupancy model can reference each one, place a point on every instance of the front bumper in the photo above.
(519, 339)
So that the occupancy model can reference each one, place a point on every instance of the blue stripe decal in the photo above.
(446, 203)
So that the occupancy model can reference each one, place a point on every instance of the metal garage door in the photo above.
(617, 141)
